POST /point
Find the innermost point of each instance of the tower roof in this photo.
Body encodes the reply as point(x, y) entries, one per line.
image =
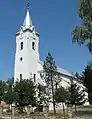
point(27, 20)
point(27, 25)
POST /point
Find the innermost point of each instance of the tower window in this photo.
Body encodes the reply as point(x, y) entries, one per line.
point(33, 45)
point(21, 46)
point(21, 59)
point(20, 76)
point(34, 77)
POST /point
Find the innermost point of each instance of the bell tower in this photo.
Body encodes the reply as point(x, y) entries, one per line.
point(27, 50)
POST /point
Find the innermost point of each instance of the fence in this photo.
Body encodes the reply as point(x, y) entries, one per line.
point(17, 113)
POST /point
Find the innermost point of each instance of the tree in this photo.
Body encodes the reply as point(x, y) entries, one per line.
point(77, 75)
point(10, 81)
point(9, 95)
point(5, 89)
point(77, 95)
point(62, 96)
point(83, 34)
point(42, 97)
point(86, 77)
point(51, 77)
point(41, 94)
point(24, 93)
point(2, 90)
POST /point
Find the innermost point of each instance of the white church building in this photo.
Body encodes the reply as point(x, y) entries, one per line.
point(27, 59)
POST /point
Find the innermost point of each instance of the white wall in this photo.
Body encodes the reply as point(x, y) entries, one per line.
point(30, 57)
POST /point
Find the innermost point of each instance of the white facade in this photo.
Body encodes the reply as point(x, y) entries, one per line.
point(27, 62)
point(27, 53)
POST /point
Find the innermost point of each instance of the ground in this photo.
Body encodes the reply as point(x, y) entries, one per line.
point(84, 112)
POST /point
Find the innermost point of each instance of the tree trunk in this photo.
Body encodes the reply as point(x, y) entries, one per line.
point(12, 111)
point(53, 96)
point(75, 107)
point(63, 109)
point(28, 111)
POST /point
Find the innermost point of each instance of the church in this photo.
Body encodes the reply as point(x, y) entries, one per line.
point(27, 58)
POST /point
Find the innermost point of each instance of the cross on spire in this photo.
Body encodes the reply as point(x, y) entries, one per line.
point(28, 4)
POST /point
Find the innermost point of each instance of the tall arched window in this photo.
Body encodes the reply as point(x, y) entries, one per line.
point(20, 76)
point(33, 45)
point(21, 46)
point(34, 77)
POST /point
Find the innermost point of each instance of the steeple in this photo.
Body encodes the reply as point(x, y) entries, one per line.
point(27, 21)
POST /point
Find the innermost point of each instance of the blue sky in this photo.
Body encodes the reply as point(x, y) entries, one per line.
point(54, 20)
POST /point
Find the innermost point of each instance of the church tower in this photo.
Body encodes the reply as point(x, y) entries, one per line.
point(27, 50)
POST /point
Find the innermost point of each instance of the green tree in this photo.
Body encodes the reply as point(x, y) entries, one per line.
point(62, 96)
point(77, 75)
point(86, 77)
point(77, 95)
point(41, 94)
point(9, 95)
point(2, 90)
point(10, 81)
point(83, 34)
point(42, 99)
point(51, 78)
point(24, 93)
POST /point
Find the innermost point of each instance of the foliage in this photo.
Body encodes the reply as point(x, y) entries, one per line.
point(87, 80)
point(77, 95)
point(50, 67)
point(2, 90)
point(77, 75)
point(10, 81)
point(9, 95)
point(61, 95)
point(24, 93)
point(83, 34)
point(51, 77)
point(42, 98)
point(41, 94)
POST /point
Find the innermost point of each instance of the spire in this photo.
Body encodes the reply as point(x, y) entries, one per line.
point(27, 21)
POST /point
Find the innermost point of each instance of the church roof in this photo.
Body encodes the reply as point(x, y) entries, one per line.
point(61, 70)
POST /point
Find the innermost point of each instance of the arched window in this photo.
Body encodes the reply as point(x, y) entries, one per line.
point(21, 46)
point(20, 76)
point(34, 77)
point(33, 45)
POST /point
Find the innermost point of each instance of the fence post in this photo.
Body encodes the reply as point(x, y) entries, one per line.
point(12, 111)
point(70, 113)
point(1, 111)
point(28, 111)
